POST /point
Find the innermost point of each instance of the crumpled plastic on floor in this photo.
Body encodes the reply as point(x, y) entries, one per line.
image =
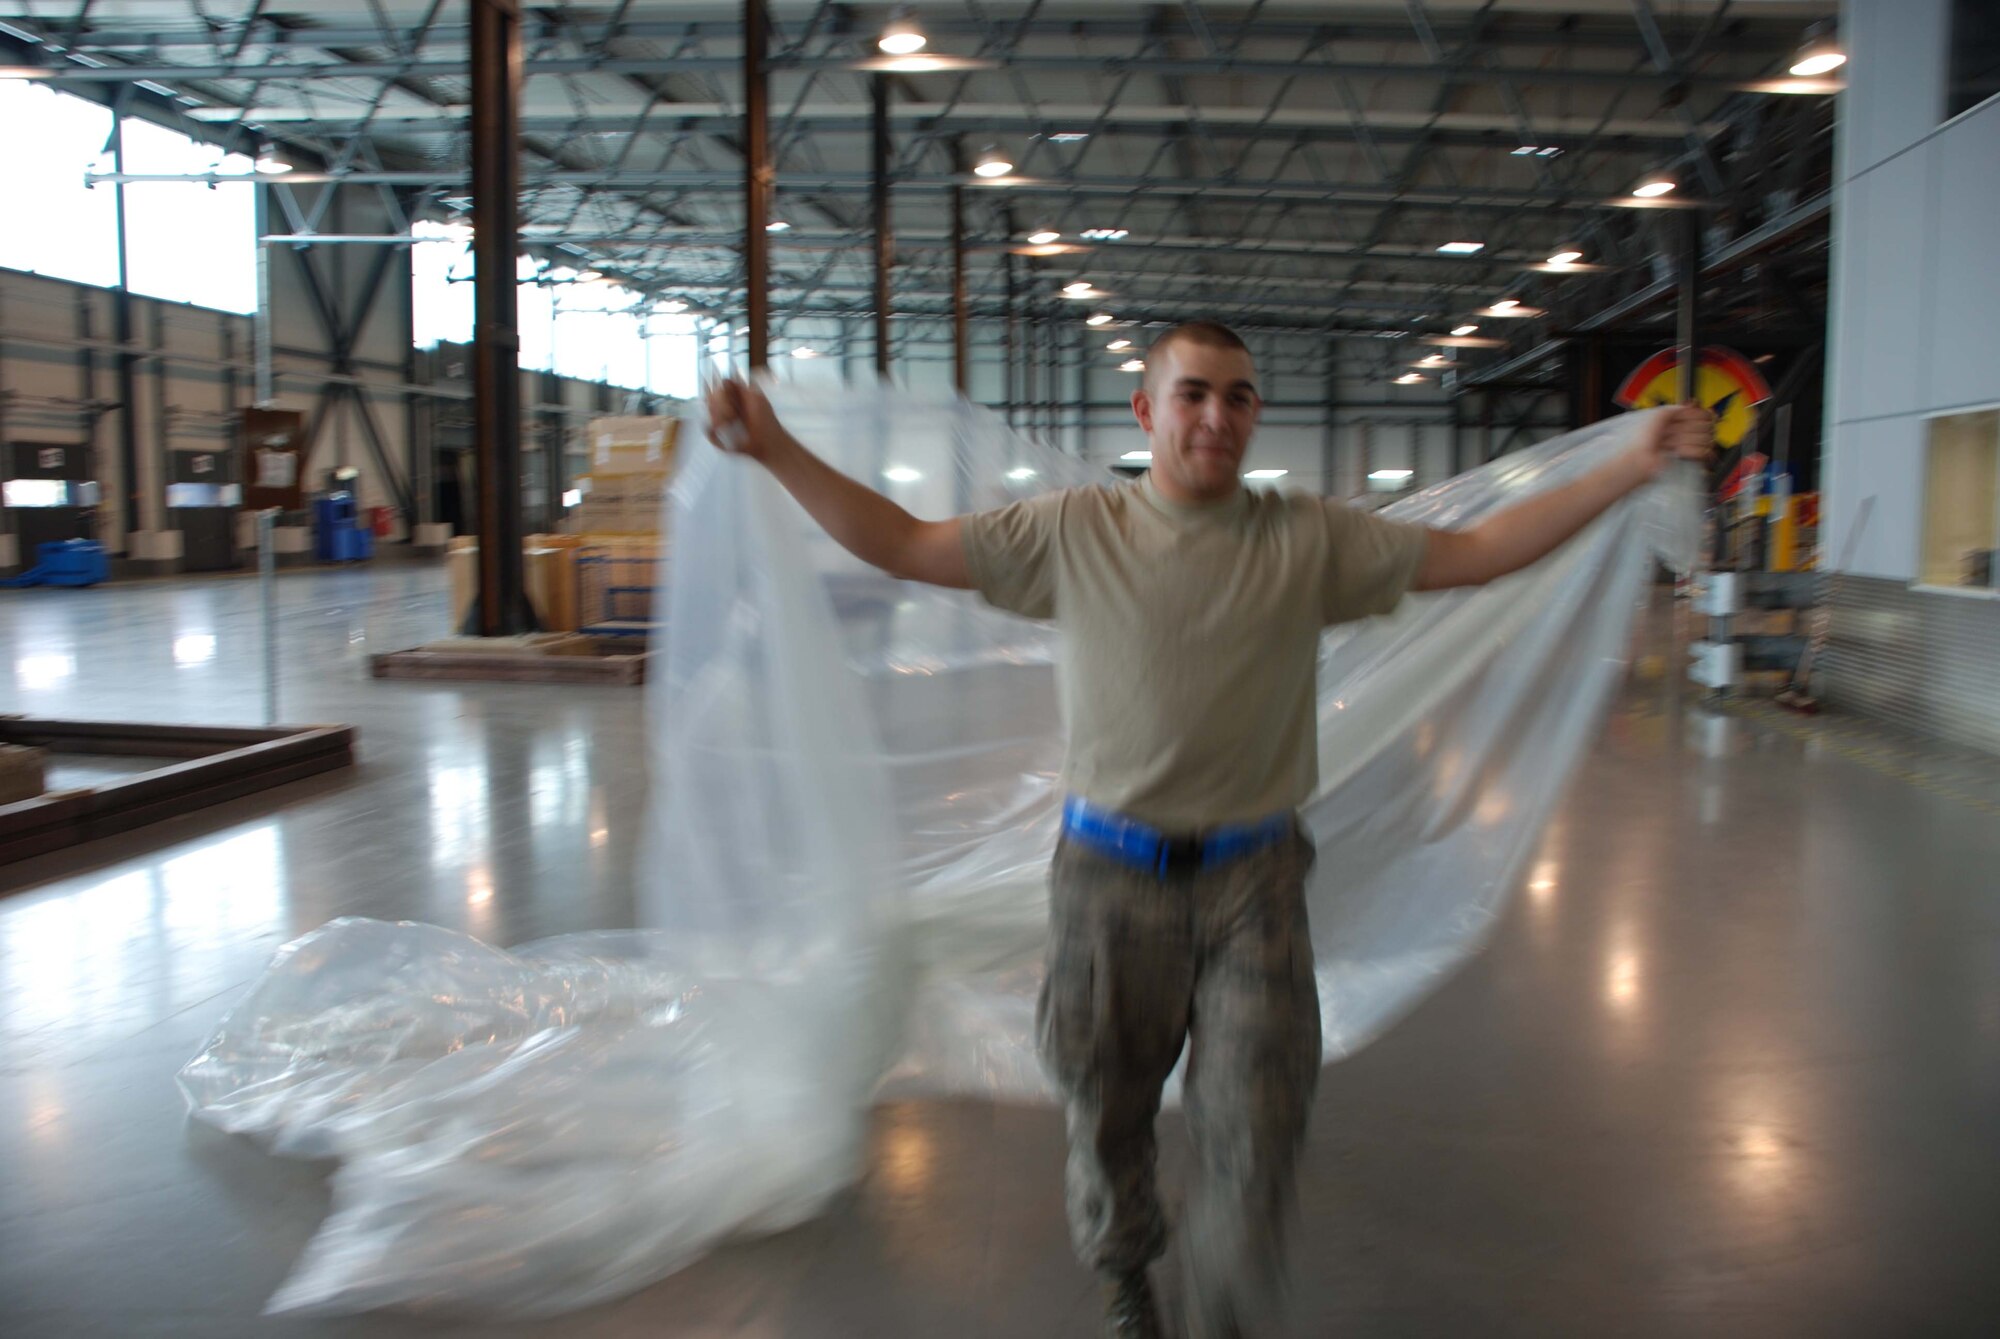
point(852, 812)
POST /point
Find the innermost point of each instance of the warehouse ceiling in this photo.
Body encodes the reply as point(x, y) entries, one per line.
point(1281, 166)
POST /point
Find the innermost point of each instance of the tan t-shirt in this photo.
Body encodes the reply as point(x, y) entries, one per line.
point(1191, 634)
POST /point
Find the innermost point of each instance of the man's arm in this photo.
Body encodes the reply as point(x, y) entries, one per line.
point(1525, 533)
point(859, 519)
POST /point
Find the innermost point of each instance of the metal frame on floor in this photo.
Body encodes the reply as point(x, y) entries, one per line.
point(215, 764)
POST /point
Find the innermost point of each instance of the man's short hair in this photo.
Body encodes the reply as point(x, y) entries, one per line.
point(1212, 333)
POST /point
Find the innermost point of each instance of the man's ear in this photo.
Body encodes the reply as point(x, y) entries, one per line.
point(1142, 409)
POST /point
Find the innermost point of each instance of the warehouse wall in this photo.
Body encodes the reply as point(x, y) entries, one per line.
point(1915, 279)
point(1915, 286)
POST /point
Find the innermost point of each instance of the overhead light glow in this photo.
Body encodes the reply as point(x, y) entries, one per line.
point(1137, 455)
point(1020, 472)
point(1106, 234)
point(1267, 474)
point(1465, 329)
point(805, 351)
point(1820, 53)
point(1409, 379)
point(1098, 318)
point(1568, 255)
point(1391, 476)
point(1043, 236)
point(1461, 248)
point(776, 225)
point(900, 35)
point(1077, 288)
point(1132, 365)
point(1819, 63)
point(270, 162)
point(1432, 360)
point(1653, 187)
point(1118, 344)
point(901, 474)
point(1527, 150)
point(992, 163)
point(1069, 136)
point(1547, 151)
point(1506, 304)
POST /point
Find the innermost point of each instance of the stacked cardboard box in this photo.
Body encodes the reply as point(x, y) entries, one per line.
point(548, 572)
point(620, 504)
point(624, 487)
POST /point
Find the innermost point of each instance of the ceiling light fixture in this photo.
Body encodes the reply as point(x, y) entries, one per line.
point(1820, 53)
point(805, 351)
point(1506, 304)
point(992, 163)
point(1409, 378)
point(1106, 234)
point(1465, 329)
point(1137, 455)
point(1391, 476)
point(901, 474)
point(1654, 185)
point(1267, 474)
point(1098, 318)
point(1133, 365)
point(270, 162)
point(900, 35)
point(776, 225)
point(1117, 344)
point(1043, 236)
point(1069, 137)
point(1020, 472)
point(1565, 254)
point(1461, 248)
point(1432, 360)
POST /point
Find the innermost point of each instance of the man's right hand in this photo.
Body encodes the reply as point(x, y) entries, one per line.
point(740, 420)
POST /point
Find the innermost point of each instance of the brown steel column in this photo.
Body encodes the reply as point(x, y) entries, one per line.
point(1010, 336)
point(885, 240)
point(960, 372)
point(757, 180)
point(502, 609)
point(1687, 337)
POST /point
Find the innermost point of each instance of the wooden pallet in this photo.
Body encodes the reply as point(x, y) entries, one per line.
point(569, 658)
point(214, 763)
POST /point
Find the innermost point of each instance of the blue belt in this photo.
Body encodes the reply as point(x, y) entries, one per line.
point(1143, 846)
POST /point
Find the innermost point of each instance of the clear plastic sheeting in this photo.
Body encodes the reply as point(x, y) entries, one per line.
point(853, 809)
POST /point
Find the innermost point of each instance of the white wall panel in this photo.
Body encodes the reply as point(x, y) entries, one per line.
point(1880, 294)
point(1963, 363)
point(1895, 83)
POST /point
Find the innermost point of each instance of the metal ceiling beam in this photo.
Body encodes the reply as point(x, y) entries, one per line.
point(798, 183)
point(1221, 123)
point(1588, 32)
point(1079, 66)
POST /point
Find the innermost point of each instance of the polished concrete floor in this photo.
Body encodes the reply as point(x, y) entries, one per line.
point(1731, 1066)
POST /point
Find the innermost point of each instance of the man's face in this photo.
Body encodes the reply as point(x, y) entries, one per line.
point(1199, 407)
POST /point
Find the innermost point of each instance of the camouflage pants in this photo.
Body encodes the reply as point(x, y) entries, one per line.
point(1222, 960)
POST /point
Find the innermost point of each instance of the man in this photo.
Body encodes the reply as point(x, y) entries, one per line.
point(1191, 609)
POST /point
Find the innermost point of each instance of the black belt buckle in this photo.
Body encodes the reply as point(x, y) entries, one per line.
point(1180, 855)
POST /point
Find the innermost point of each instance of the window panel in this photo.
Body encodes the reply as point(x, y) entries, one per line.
point(71, 231)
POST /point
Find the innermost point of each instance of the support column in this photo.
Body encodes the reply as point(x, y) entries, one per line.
point(885, 241)
point(757, 181)
point(1328, 446)
point(960, 370)
point(502, 607)
point(1009, 337)
point(131, 518)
